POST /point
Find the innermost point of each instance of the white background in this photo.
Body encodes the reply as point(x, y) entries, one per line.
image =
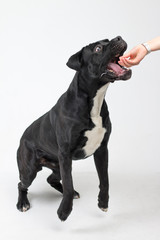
point(36, 39)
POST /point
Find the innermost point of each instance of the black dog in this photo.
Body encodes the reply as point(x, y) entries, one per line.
point(75, 128)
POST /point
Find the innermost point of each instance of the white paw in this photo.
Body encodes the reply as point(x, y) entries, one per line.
point(104, 209)
point(76, 197)
point(24, 209)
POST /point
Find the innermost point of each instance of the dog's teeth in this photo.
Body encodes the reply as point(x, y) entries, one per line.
point(125, 68)
point(103, 74)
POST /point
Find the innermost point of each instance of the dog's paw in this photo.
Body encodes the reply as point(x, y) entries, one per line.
point(104, 209)
point(23, 206)
point(64, 209)
point(62, 215)
point(103, 206)
point(103, 199)
point(76, 195)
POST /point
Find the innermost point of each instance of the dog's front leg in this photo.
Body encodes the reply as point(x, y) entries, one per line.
point(65, 207)
point(101, 162)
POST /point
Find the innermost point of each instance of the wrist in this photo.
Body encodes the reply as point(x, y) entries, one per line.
point(147, 47)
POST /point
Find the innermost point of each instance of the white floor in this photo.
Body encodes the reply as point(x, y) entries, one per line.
point(134, 209)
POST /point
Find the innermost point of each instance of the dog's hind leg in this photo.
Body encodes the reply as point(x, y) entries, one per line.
point(26, 159)
point(54, 180)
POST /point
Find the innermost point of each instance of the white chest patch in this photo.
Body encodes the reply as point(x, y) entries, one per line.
point(96, 135)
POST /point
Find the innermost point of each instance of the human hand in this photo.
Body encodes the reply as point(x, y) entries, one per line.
point(133, 57)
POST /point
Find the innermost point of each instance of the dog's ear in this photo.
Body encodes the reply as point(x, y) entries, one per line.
point(75, 61)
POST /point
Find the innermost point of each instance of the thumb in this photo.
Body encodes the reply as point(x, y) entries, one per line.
point(126, 55)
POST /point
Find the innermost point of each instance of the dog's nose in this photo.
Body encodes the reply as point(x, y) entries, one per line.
point(118, 38)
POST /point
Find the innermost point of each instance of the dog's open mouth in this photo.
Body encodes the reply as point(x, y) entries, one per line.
point(114, 67)
point(114, 71)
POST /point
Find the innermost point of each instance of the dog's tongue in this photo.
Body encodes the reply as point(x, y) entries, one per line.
point(115, 68)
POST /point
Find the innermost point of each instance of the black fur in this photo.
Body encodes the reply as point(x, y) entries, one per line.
point(57, 138)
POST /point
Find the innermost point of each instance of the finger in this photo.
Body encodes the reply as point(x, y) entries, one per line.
point(132, 62)
point(123, 62)
point(121, 58)
point(127, 63)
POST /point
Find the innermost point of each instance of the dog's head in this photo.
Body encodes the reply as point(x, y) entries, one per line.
point(100, 60)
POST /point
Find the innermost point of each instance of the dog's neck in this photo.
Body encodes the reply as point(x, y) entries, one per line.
point(98, 100)
point(93, 91)
point(90, 86)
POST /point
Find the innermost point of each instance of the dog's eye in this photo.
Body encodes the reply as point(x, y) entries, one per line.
point(98, 48)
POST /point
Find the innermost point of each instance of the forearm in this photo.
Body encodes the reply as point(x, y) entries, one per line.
point(154, 44)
